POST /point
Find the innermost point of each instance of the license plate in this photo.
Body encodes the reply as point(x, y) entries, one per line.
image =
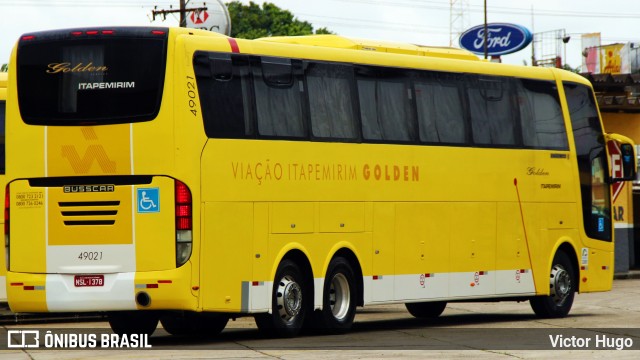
point(88, 280)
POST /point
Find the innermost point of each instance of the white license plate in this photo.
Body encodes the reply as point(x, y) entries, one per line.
point(88, 280)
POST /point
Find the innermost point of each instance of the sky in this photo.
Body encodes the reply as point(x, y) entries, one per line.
point(424, 22)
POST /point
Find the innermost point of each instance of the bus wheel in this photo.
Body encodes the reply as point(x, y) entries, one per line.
point(339, 298)
point(133, 322)
point(426, 310)
point(290, 301)
point(194, 324)
point(562, 288)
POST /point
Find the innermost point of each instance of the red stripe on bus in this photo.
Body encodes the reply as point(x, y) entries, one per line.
point(234, 45)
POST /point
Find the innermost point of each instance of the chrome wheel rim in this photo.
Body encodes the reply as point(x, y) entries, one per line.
point(561, 286)
point(339, 296)
point(289, 299)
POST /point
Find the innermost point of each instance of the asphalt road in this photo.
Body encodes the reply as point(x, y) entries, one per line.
point(599, 324)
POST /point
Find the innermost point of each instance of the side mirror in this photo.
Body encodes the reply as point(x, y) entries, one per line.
point(622, 158)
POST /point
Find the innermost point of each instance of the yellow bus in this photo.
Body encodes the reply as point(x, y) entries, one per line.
point(3, 98)
point(185, 177)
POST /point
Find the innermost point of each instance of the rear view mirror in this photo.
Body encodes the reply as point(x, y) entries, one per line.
point(623, 158)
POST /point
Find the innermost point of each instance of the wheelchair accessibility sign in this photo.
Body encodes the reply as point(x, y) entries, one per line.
point(148, 200)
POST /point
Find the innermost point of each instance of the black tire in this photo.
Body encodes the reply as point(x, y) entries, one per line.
point(194, 324)
point(290, 302)
point(338, 299)
point(133, 322)
point(426, 310)
point(562, 287)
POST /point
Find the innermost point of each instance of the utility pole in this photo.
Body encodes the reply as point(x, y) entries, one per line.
point(182, 10)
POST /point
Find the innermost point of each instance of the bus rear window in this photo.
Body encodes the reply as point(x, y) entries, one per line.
point(68, 77)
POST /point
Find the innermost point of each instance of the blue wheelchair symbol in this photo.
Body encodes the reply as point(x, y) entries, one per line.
point(148, 200)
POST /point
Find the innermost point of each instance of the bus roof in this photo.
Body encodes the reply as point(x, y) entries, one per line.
point(340, 42)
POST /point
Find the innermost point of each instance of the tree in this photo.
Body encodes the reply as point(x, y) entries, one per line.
point(252, 21)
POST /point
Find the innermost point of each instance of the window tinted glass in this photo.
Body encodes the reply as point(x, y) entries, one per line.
point(66, 79)
point(224, 89)
point(493, 119)
point(385, 108)
point(541, 115)
point(330, 101)
point(440, 110)
point(278, 97)
point(592, 161)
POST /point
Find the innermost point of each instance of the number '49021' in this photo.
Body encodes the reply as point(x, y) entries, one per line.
point(90, 255)
point(191, 94)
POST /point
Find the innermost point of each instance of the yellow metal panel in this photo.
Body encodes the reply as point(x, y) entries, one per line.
point(383, 239)
point(599, 273)
point(62, 232)
point(262, 263)
point(27, 224)
point(341, 217)
point(292, 218)
point(95, 150)
point(22, 300)
point(155, 234)
point(473, 244)
point(512, 250)
point(423, 237)
point(226, 259)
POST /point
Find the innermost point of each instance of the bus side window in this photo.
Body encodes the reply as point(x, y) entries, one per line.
point(440, 110)
point(385, 106)
point(492, 111)
point(278, 98)
point(541, 115)
point(224, 94)
point(331, 106)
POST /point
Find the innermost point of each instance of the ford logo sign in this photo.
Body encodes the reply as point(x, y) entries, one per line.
point(502, 39)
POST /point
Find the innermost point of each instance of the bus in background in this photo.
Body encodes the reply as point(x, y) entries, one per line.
point(3, 98)
point(185, 177)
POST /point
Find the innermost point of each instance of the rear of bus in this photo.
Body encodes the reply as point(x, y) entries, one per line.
point(99, 202)
point(3, 98)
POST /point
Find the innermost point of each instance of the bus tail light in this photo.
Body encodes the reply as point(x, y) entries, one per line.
point(184, 223)
point(6, 225)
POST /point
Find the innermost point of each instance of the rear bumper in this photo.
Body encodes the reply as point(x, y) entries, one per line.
point(168, 290)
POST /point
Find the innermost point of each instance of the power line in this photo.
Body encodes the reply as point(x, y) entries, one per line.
point(429, 5)
point(182, 11)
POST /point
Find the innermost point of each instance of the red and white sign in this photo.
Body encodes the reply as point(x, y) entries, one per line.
point(616, 167)
point(199, 17)
point(215, 18)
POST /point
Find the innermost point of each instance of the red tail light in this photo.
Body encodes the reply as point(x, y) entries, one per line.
point(183, 207)
point(184, 223)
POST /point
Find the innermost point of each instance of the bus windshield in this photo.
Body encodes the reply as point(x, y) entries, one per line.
point(83, 76)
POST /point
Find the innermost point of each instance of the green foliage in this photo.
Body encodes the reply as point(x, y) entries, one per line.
point(252, 21)
point(569, 68)
point(4, 68)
